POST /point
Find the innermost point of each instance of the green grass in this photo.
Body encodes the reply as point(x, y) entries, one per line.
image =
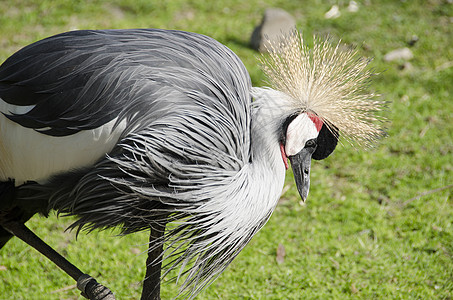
point(374, 226)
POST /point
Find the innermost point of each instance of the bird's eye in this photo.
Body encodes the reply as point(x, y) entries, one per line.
point(310, 143)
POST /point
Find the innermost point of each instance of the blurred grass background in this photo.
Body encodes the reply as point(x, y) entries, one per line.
point(377, 224)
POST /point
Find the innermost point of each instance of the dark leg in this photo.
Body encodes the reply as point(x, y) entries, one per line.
point(7, 196)
point(151, 285)
point(88, 285)
point(5, 236)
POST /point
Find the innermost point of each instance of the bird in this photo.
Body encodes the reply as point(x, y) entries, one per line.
point(162, 130)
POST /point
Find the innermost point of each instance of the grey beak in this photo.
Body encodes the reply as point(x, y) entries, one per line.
point(300, 163)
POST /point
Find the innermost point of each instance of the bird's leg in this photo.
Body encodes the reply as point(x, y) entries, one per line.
point(151, 284)
point(7, 197)
point(88, 285)
point(5, 236)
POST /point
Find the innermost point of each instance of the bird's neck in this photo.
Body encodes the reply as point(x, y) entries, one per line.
point(266, 158)
point(268, 115)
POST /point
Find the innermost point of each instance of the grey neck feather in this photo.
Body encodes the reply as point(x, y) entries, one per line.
point(244, 205)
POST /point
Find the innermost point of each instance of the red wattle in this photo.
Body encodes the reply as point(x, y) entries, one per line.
point(285, 159)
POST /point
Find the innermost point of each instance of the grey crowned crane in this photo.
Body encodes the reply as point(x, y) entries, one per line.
point(140, 128)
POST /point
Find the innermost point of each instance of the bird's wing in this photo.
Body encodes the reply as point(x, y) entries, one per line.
point(87, 88)
point(82, 79)
point(55, 82)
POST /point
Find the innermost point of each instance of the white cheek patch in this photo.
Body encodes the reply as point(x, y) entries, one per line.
point(299, 131)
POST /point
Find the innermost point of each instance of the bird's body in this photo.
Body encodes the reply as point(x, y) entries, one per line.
point(188, 118)
point(138, 128)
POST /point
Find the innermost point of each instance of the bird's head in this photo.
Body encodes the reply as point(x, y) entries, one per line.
point(325, 94)
point(305, 137)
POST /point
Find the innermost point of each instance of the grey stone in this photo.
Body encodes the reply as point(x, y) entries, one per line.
point(353, 6)
point(333, 13)
point(399, 54)
point(276, 23)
